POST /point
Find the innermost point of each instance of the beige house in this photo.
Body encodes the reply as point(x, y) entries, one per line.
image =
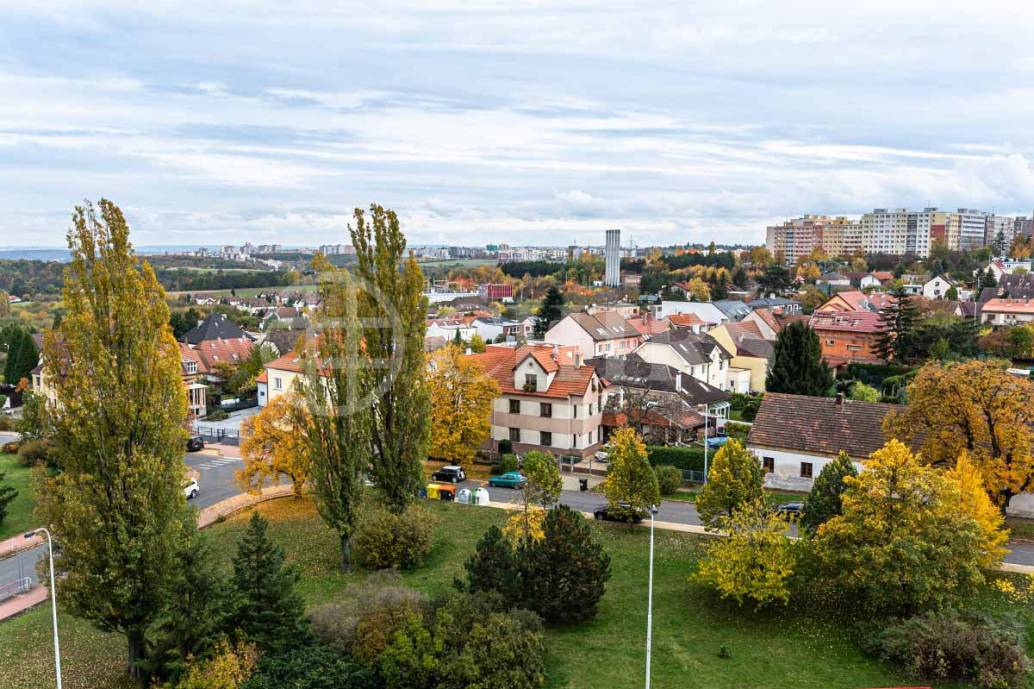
point(751, 352)
point(550, 401)
point(278, 377)
point(605, 333)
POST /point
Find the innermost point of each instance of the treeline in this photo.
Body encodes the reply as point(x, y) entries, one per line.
point(24, 277)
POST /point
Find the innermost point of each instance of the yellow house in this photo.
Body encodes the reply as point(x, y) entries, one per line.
point(750, 350)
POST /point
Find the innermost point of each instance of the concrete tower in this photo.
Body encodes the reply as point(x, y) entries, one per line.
point(612, 277)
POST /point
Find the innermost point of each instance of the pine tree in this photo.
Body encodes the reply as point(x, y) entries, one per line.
point(22, 356)
point(392, 309)
point(733, 479)
point(550, 312)
point(797, 366)
point(267, 610)
point(897, 327)
point(493, 566)
point(117, 507)
point(7, 495)
point(824, 501)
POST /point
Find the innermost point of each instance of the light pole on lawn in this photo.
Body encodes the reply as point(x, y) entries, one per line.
point(649, 600)
point(707, 411)
point(53, 600)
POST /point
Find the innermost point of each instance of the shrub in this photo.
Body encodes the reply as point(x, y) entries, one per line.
point(685, 458)
point(6, 424)
point(669, 479)
point(9, 448)
point(229, 668)
point(505, 463)
point(310, 667)
point(385, 540)
point(34, 452)
point(217, 415)
point(502, 651)
point(954, 647)
point(505, 446)
point(371, 611)
point(493, 566)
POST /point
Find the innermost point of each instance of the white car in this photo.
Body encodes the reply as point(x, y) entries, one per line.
point(191, 489)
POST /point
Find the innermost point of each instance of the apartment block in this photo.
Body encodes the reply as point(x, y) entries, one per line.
point(798, 237)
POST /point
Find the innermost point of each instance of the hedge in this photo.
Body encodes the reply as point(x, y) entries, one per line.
point(686, 458)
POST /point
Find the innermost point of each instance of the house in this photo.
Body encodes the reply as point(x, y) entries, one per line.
point(751, 352)
point(699, 356)
point(1002, 311)
point(282, 340)
point(662, 402)
point(704, 310)
point(779, 304)
point(795, 436)
point(494, 328)
point(278, 377)
point(937, 287)
point(733, 309)
point(448, 329)
point(834, 280)
point(690, 321)
point(216, 341)
point(550, 401)
point(622, 308)
point(604, 334)
point(1002, 267)
point(289, 317)
point(648, 326)
point(848, 336)
point(214, 327)
point(767, 322)
point(855, 300)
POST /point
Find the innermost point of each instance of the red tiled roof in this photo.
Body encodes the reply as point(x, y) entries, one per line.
point(847, 321)
point(1000, 305)
point(287, 362)
point(684, 320)
point(769, 319)
point(232, 350)
point(650, 326)
point(500, 362)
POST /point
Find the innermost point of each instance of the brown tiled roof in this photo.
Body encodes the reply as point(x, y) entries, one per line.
point(999, 305)
point(233, 350)
point(649, 326)
point(499, 363)
point(684, 320)
point(847, 321)
point(605, 325)
point(819, 425)
point(769, 319)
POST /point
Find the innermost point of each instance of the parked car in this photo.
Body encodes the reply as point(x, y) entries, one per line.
point(511, 479)
point(790, 509)
point(449, 474)
point(191, 489)
point(195, 443)
point(606, 514)
point(717, 441)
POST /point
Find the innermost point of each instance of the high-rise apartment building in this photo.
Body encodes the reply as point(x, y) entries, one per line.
point(798, 237)
point(612, 274)
point(972, 228)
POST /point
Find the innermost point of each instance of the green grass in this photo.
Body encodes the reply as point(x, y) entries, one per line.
point(245, 291)
point(1021, 528)
point(775, 650)
point(19, 512)
point(773, 496)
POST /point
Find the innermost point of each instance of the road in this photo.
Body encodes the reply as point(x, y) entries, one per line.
point(215, 480)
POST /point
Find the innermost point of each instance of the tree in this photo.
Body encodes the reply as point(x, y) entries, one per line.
point(978, 408)
point(267, 609)
point(631, 484)
point(22, 357)
point(550, 311)
point(864, 393)
point(273, 445)
point(7, 495)
point(337, 429)
point(775, 280)
point(974, 501)
point(392, 309)
point(903, 541)
point(754, 561)
point(952, 294)
point(229, 668)
point(31, 424)
point(117, 507)
point(5, 304)
point(540, 491)
point(563, 575)
point(477, 344)
point(493, 566)
point(733, 479)
point(797, 365)
point(824, 501)
point(897, 324)
point(461, 406)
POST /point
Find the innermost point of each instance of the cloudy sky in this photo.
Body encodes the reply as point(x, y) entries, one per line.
point(527, 122)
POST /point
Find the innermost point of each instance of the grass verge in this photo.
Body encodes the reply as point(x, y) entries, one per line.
point(19, 512)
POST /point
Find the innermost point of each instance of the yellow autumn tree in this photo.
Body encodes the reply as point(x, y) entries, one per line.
point(974, 501)
point(974, 408)
point(461, 405)
point(273, 445)
point(631, 483)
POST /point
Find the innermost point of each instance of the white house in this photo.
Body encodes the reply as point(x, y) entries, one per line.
point(1002, 267)
point(704, 310)
point(700, 356)
point(938, 286)
point(449, 330)
point(604, 334)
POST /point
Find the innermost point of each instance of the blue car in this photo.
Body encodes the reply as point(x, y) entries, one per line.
point(511, 479)
point(717, 441)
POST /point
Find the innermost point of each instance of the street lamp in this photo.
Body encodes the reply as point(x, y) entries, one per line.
point(649, 600)
point(53, 601)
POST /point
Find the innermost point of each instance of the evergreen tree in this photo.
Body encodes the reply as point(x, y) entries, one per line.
point(267, 609)
point(7, 495)
point(550, 311)
point(734, 479)
point(897, 327)
point(824, 501)
point(22, 357)
point(117, 507)
point(392, 310)
point(493, 566)
point(563, 575)
point(797, 366)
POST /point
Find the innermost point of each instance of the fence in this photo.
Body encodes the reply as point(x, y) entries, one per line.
point(246, 403)
point(692, 476)
point(15, 588)
point(214, 434)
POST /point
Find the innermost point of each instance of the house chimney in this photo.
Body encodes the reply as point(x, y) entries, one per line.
point(678, 381)
point(840, 400)
point(578, 359)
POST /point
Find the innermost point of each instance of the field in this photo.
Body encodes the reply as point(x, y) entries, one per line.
point(19, 512)
point(798, 648)
point(245, 291)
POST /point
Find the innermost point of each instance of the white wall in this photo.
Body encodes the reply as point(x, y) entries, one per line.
point(569, 333)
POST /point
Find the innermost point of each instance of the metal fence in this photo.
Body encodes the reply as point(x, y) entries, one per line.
point(692, 475)
point(214, 434)
point(15, 588)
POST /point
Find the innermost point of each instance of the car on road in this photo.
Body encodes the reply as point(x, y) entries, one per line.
point(449, 474)
point(717, 440)
point(511, 479)
point(619, 515)
point(191, 489)
point(195, 443)
point(790, 509)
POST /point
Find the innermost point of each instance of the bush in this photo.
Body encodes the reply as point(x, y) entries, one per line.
point(34, 452)
point(6, 424)
point(9, 448)
point(385, 540)
point(669, 479)
point(310, 667)
point(954, 647)
point(505, 463)
point(685, 458)
point(747, 405)
point(217, 415)
point(505, 446)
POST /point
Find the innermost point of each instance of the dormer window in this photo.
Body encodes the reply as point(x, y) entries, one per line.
point(190, 366)
point(531, 382)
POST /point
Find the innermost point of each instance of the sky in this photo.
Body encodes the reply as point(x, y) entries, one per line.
point(525, 122)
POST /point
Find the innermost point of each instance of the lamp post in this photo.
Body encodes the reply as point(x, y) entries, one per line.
point(53, 601)
point(707, 411)
point(649, 600)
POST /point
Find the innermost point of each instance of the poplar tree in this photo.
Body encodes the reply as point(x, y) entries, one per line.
point(392, 309)
point(797, 365)
point(117, 507)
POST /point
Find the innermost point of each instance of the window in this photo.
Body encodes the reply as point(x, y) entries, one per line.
point(545, 409)
point(515, 406)
point(278, 383)
point(768, 464)
point(590, 410)
point(574, 411)
point(805, 469)
point(531, 382)
point(191, 366)
point(575, 441)
point(515, 435)
point(545, 438)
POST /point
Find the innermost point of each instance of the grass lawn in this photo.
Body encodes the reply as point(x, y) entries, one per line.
point(19, 512)
point(1021, 528)
point(773, 496)
point(775, 650)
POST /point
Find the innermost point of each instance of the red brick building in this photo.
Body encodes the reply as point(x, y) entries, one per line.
point(848, 336)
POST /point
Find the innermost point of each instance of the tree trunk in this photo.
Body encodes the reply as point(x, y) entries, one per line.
point(136, 642)
point(346, 553)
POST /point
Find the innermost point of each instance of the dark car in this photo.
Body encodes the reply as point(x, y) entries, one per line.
point(449, 474)
point(790, 509)
point(195, 443)
point(618, 515)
